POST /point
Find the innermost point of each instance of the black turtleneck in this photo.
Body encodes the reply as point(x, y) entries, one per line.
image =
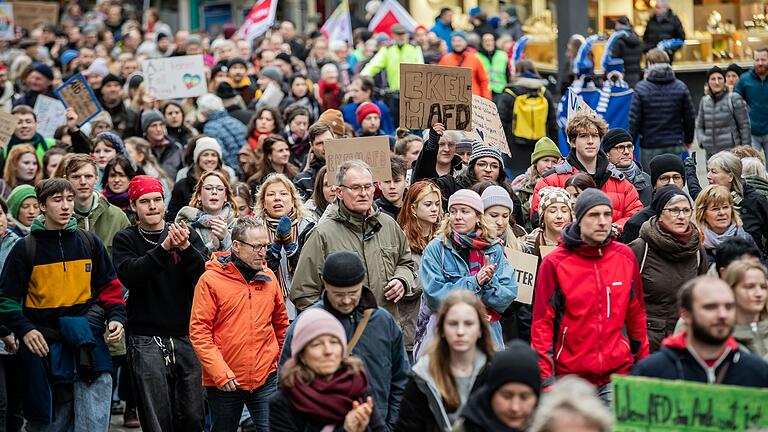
point(247, 271)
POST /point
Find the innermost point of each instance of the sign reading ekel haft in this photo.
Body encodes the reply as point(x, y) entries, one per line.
point(432, 94)
point(176, 77)
point(372, 150)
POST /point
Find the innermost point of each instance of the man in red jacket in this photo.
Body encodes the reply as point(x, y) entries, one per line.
point(588, 313)
point(584, 132)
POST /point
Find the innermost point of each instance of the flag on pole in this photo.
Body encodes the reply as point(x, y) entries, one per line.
point(338, 26)
point(391, 12)
point(259, 20)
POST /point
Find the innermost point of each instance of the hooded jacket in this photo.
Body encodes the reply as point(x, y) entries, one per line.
point(630, 48)
point(588, 314)
point(380, 347)
point(754, 91)
point(662, 112)
point(377, 238)
point(623, 195)
point(103, 219)
point(722, 122)
point(677, 361)
point(237, 327)
point(481, 85)
point(754, 215)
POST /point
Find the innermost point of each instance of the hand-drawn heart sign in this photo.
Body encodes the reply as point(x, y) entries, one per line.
point(191, 80)
point(176, 77)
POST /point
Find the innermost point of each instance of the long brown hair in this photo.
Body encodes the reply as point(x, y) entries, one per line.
point(407, 217)
point(13, 159)
point(266, 166)
point(195, 200)
point(440, 353)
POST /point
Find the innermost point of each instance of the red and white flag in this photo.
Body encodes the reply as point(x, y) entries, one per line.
point(338, 26)
point(391, 12)
point(259, 20)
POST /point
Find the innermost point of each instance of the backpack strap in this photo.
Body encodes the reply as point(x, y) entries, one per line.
point(359, 331)
point(508, 90)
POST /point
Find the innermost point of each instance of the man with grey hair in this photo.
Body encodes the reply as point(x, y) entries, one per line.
point(222, 127)
point(237, 328)
point(438, 157)
point(355, 224)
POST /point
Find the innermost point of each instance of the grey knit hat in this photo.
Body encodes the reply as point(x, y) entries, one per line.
point(480, 150)
point(465, 145)
point(272, 73)
point(588, 199)
point(497, 195)
point(150, 116)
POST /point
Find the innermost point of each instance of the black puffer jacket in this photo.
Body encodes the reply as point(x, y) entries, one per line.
point(630, 49)
point(660, 28)
point(662, 112)
point(754, 215)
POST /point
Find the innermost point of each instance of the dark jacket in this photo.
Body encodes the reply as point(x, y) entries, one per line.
point(241, 114)
point(170, 157)
point(387, 207)
point(425, 167)
point(662, 112)
point(305, 180)
point(630, 49)
point(283, 417)
point(676, 361)
point(125, 120)
point(380, 347)
point(755, 92)
point(632, 226)
point(642, 183)
point(754, 215)
point(181, 194)
point(659, 28)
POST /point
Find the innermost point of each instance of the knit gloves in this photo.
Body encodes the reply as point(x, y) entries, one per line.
point(283, 238)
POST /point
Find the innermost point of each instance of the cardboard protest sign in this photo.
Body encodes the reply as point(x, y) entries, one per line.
point(486, 124)
point(8, 124)
point(50, 115)
point(76, 93)
point(545, 250)
point(576, 103)
point(30, 14)
point(372, 150)
point(432, 94)
point(6, 21)
point(647, 404)
point(176, 77)
point(525, 266)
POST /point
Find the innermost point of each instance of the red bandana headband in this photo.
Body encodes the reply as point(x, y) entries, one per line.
point(142, 185)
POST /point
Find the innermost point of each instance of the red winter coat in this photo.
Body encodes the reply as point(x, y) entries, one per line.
point(586, 296)
point(623, 195)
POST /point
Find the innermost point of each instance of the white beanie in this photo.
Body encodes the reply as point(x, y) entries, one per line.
point(206, 143)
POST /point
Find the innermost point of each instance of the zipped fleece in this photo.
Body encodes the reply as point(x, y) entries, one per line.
point(588, 313)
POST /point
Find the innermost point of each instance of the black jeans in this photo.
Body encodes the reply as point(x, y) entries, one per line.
point(226, 407)
point(11, 394)
point(169, 396)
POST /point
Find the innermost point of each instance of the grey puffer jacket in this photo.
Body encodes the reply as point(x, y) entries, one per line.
point(722, 122)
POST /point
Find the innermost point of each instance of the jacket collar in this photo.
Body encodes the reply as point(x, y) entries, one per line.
point(344, 215)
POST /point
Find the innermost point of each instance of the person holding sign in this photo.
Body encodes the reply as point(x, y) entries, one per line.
point(706, 352)
point(466, 255)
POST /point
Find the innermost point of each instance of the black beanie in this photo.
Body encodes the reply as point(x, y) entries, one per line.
point(665, 163)
point(733, 67)
point(614, 137)
point(662, 195)
point(111, 78)
point(236, 61)
point(714, 70)
point(343, 269)
point(518, 364)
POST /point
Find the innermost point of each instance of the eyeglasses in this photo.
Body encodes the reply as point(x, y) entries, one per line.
point(625, 148)
point(256, 247)
point(675, 211)
point(484, 165)
point(343, 295)
point(219, 189)
point(358, 189)
point(670, 178)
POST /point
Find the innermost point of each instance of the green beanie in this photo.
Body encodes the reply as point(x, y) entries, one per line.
point(17, 196)
point(545, 147)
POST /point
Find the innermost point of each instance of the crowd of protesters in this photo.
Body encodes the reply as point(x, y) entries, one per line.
point(194, 264)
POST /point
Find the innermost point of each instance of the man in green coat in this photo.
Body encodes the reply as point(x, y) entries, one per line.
point(356, 224)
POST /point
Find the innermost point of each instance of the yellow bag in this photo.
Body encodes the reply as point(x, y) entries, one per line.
point(530, 115)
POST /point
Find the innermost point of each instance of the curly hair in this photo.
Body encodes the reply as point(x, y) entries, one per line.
point(582, 122)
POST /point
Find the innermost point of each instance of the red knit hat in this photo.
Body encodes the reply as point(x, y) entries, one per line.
point(142, 185)
point(364, 110)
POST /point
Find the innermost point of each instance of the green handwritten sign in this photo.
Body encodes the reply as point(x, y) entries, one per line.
point(647, 404)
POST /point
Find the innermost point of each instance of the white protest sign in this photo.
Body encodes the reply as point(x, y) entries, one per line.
point(176, 77)
point(6, 21)
point(486, 124)
point(525, 266)
point(50, 114)
point(576, 103)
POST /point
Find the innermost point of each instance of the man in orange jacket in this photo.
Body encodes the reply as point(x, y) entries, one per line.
point(462, 57)
point(237, 328)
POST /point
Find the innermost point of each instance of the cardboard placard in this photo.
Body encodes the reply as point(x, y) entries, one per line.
point(526, 266)
point(486, 124)
point(8, 124)
point(6, 21)
point(76, 93)
point(176, 77)
point(30, 14)
point(50, 115)
point(648, 404)
point(432, 94)
point(576, 103)
point(545, 250)
point(372, 150)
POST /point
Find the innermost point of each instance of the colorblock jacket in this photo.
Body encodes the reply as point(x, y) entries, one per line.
point(588, 312)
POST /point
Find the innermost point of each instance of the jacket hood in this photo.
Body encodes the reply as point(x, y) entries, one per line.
point(525, 84)
point(661, 74)
point(678, 341)
point(38, 225)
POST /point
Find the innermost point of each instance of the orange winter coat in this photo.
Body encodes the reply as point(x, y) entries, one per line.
point(480, 82)
point(237, 328)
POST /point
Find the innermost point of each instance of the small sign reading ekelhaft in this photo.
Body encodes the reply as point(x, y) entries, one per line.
point(76, 93)
point(372, 150)
point(176, 77)
point(432, 94)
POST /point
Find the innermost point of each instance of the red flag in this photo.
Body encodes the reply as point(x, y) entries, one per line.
point(390, 13)
point(259, 20)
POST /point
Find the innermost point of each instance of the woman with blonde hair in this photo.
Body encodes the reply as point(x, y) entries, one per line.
point(443, 377)
point(211, 211)
point(755, 175)
point(749, 281)
point(716, 217)
point(466, 255)
point(22, 167)
point(279, 205)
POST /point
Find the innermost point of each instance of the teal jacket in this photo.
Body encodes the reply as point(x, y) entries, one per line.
point(755, 93)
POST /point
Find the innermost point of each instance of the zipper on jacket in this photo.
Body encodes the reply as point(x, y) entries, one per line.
point(61, 249)
point(599, 321)
point(562, 343)
point(608, 295)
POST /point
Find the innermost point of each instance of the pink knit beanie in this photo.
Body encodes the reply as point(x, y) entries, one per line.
point(468, 198)
point(316, 322)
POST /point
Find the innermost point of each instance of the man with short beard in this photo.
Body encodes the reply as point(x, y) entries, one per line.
point(124, 118)
point(705, 352)
point(752, 88)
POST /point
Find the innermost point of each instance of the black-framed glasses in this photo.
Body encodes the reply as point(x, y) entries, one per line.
point(358, 189)
point(626, 148)
point(670, 178)
point(255, 247)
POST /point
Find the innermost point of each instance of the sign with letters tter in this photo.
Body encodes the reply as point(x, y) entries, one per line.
point(432, 94)
point(176, 77)
point(525, 266)
point(648, 404)
point(372, 150)
point(76, 93)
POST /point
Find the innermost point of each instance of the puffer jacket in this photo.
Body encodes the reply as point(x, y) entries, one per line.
point(588, 312)
point(754, 336)
point(377, 238)
point(662, 112)
point(623, 195)
point(104, 219)
point(665, 265)
point(237, 327)
point(481, 85)
point(722, 122)
point(754, 215)
point(630, 49)
point(229, 132)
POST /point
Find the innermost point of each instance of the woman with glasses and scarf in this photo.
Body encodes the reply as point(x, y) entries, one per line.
point(211, 211)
